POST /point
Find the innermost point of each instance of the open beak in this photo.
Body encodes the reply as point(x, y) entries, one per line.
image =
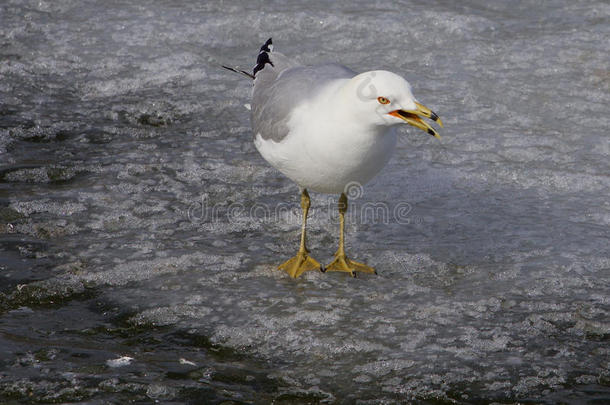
point(413, 117)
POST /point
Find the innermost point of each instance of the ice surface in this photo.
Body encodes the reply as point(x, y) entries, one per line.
point(137, 220)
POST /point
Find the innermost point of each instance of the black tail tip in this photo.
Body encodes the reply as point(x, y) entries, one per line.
point(267, 46)
point(263, 57)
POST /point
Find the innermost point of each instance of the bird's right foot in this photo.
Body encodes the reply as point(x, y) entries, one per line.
point(299, 264)
point(342, 263)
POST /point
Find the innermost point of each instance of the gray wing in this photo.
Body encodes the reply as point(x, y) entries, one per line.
point(278, 89)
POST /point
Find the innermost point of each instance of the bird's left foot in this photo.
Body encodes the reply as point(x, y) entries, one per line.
point(342, 263)
point(299, 264)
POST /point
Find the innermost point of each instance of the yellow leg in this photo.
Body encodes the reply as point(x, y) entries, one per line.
point(302, 262)
point(341, 262)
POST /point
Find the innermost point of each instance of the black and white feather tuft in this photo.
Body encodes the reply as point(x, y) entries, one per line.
point(263, 57)
point(261, 60)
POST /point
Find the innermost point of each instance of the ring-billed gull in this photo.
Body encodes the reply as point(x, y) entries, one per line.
point(327, 127)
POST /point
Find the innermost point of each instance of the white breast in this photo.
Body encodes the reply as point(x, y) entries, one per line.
point(324, 152)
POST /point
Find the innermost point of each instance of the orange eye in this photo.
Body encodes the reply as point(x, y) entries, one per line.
point(383, 100)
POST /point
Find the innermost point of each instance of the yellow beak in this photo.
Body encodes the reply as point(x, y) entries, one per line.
point(412, 117)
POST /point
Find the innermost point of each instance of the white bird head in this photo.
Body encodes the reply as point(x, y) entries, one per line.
point(383, 98)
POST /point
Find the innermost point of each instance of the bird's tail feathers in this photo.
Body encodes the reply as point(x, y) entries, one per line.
point(263, 57)
point(241, 72)
point(261, 61)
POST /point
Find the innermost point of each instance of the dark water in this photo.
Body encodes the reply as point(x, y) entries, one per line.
point(140, 229)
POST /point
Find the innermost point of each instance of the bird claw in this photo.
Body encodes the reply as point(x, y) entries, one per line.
point(342, 263)
point(299, 264)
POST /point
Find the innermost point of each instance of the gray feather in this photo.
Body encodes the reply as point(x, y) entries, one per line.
point(280, 88)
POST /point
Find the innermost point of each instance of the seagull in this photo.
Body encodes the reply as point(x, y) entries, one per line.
point(326, 127)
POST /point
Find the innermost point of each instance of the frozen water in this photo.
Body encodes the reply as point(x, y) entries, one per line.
point(137, 220)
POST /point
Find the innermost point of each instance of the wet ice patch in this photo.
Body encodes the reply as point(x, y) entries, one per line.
point(132, 187)
point(169, 315)
point(59, 208)
point(39, 174)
